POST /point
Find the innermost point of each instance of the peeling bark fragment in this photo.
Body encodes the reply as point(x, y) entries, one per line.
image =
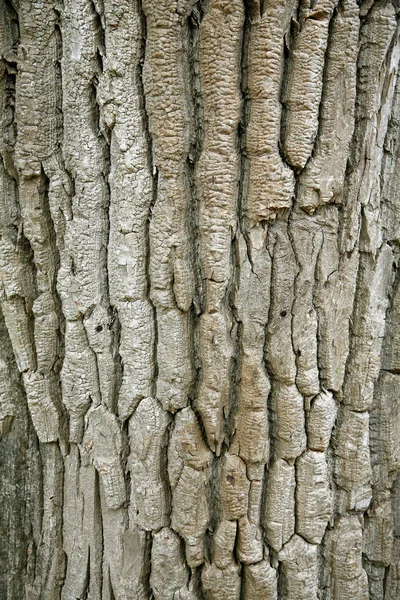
point(102, 443)
point(280, 357)
point(188, 457)
point(287, 406)
point(368, 330)
point(43, 397)
point(18, 323)
point(320, 421)
point(190, 513)
point(377, 65)
point(221, 584)
point(279, 507)
point(251, 440)
point(82, 278)
point(334, 297)
point(83, 542)
point(348, 580)
point(307, 236)
point(79, 377)
point(390, 360)
point(149, 505)
point(392, 588)
point(186, 446)
point(173, 358)
point(224, 543)
point(260, 581)
point(390, 173)
point(216, 356)
point(217, 179)
point(100, 340)
point(136, 343)
point(271, 182)
point(165, 85)
point(352, 470)
point(250, 537)
point(376, 580)
point(135, 568)
point(46, 332)
point(313, 496)
point(131, 195)
point(50, 556)
point(378, 532)
point(323, 177)
point(249, 541)
point(169, 575)
point(303, 90)
point(299, 570)
point(234, 487)
point(385, 425)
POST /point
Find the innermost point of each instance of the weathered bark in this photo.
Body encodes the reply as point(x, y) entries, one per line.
point(199, 299)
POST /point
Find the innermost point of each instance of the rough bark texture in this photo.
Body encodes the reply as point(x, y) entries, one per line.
point(199, 300)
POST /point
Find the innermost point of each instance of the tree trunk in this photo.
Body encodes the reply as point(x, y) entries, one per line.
point(200, 302)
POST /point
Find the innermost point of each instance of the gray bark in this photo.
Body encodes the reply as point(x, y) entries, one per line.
point(199, 300)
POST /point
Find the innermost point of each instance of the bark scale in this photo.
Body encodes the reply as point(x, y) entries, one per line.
point(199, 299)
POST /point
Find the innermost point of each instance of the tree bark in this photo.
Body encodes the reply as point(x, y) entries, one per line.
point(199, 300)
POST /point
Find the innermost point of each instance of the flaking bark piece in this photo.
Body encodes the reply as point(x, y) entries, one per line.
point(304, 84)
point(299, 570)
point(102, 444)
point(313, 496)
point(249, 541)
point(79, 378)
point(348, 580)
point(234, 487)
point(224, 543)
point(221, 584)
point(42, 393)
point(251, 441)
point(260, 581)
point(379, 531)
point(135, 568)
point(320, 422)
point(352, 470)
point(216, 346)
point(146, 463)
point(186, 446)
point(169, 575)
point(279, 507)
point(190, 513)
point(289, 421)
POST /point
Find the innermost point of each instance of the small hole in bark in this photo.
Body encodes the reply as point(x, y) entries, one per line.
point(99, 328)
point(283, 313)
point(230, 479)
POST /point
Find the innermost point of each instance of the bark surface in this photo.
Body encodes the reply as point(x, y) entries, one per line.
point(199, 300)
